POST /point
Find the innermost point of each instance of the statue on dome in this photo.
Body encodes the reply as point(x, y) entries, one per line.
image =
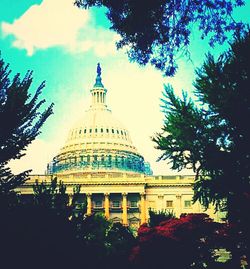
point(99, 70)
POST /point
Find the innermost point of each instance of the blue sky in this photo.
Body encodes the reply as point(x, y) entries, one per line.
point(62, 45)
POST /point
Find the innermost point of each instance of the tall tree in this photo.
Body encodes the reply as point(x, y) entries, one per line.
point(20, 121)
point(212, 137)
point(158, 31)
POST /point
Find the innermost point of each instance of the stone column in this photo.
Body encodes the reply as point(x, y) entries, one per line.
point(89, 205)
point(71, 195)
point(178, 203)
point(143, 208)
point(106, 205)
point(124, 209)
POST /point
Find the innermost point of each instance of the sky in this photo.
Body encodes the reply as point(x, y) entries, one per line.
point(62, 45)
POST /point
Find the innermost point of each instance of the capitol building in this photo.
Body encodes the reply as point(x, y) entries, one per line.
point(99, 156)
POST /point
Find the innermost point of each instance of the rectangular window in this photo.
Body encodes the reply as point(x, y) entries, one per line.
point(116, 204)
point(98, 204)
point(169, 203)
point(187, 203)
point(133, 204)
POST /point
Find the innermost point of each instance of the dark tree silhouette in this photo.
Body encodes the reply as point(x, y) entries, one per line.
point(20, 121)
point(120, 241)
point(158, 31)
point(156, 217)
point(212, 137)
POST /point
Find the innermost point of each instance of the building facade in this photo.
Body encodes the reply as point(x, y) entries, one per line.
point(99, 156)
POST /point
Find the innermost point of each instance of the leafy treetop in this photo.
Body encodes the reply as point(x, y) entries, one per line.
point(20, 121)
point(158, 31)
point(212, 136)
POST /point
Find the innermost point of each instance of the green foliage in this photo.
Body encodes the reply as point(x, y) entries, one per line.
point(79, 202)
point(20, 119)
point(112, 241)
point(120, 238)
point(156, 217)
point(212, 137)
point(158, 32)
point(120, 241)
point(52, 196)
point(95, 228)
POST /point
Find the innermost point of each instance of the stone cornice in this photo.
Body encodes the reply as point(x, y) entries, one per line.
point(148, 183)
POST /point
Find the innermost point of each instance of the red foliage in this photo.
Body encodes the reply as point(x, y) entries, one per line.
point(197, 234)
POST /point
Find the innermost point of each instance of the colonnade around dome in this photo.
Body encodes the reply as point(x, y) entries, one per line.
point(84, 161)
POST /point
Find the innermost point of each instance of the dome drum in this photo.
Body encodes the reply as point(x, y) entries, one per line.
point(122, 161)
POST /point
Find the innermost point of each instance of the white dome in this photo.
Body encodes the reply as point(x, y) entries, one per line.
point(98, 142)
point(98, 129)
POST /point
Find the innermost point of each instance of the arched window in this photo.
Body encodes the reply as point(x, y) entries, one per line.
point(90, 130)
point(117, 131)
point(122, 132)
point(101, 130)
point(96, 130)
point(85, 131)
point(80, 131)
point(107, 130)
point(113, 131)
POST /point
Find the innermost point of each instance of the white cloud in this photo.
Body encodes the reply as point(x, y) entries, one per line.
point(38, 154)
point(58, 23)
